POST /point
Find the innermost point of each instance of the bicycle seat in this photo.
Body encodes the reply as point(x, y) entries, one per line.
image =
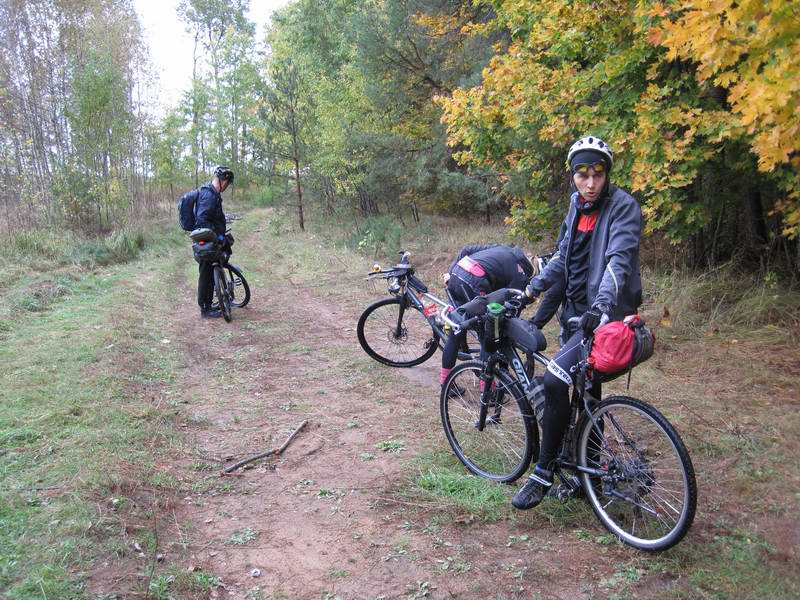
point(525, 335)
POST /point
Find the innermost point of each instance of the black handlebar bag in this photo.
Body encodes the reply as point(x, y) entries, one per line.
point(206, 251)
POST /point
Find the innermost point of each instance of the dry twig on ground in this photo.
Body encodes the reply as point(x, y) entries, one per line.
point(273, 452)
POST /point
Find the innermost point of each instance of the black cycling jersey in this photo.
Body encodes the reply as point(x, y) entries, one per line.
point(498, 267)
point(578, 271)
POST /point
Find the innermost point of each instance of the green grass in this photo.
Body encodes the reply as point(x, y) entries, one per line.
point(44, 267)
point(75, 428)
point(175, 583)
point(83, 421)
point(438, 479)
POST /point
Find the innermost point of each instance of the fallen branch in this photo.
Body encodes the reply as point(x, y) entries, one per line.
point(273, 452)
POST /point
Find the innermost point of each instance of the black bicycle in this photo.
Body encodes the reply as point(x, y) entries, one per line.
point(405, 329)
point(628, 460)
point(231, 289)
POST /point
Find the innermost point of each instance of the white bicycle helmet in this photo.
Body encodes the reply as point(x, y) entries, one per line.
point(591, 142)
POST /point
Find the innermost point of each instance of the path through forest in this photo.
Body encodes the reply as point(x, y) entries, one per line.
point(336, 516)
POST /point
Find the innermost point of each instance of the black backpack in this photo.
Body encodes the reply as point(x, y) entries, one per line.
point(186, 209)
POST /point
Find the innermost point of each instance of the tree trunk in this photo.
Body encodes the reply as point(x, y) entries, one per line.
point(299, 194)
point(195, 116)
point(758, 225)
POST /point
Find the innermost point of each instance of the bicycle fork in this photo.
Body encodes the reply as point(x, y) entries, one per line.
point(487, 378)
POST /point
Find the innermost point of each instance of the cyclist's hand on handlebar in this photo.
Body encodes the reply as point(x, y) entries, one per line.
point(524, 300)
point(533, 289)
point(468, 323)
point(591, 320)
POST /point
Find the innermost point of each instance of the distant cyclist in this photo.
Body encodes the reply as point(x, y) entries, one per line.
point(208, 213)
point(598, 264)
point(477, 271)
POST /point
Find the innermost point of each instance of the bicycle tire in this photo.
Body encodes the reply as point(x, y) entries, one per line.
point(380, 326)
point(656, 475)
point(503, 451)
point(221, 290)
point(238, 281)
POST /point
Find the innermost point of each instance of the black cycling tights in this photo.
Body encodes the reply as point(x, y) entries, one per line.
point(461, 293)
point(556, 403)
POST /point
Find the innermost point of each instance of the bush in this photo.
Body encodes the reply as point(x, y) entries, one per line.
point(39, 244)
point(119, 247)
point(43, 250)
point(376, 235)
point(266, 196)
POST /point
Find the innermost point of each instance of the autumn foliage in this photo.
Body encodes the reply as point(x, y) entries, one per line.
point(699, 98)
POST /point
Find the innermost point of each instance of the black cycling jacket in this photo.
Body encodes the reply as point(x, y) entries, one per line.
point(505, 267)
point(208, 210)
point(614, 281)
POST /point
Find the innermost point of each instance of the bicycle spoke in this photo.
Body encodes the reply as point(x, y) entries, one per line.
point(380, 333)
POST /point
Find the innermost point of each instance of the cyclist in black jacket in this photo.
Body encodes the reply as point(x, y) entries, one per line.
point(598, 263)
point(208, 213)
point(477, 271)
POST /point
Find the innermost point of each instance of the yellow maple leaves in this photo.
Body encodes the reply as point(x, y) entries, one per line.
point(751, 48)
point(671, 83)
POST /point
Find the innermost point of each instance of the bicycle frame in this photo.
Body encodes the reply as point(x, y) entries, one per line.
point(415, 294)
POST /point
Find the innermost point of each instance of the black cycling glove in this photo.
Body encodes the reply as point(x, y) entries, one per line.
point(590, 321)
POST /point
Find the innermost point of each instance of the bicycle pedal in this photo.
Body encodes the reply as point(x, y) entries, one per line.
point(569, 488)
point(564, 493)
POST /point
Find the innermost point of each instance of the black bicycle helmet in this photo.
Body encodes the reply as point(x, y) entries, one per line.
point(223, 173)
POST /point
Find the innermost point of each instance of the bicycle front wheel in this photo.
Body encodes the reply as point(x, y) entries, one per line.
point(239, 289)
point(221, 291)
point(395, 335)
point(509, 441)
point(647, 496)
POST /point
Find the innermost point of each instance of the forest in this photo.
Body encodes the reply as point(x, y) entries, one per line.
point(308, 443)
point(368, 109)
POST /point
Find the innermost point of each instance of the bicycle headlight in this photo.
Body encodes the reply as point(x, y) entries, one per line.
point(376, 268)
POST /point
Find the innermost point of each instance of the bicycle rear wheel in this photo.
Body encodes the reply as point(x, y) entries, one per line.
point(222, 294)
point(503, 451)
point(239, 289)
point(648, 496)
point(394, 335)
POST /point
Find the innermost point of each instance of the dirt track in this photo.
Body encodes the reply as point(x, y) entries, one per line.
point(325, 519)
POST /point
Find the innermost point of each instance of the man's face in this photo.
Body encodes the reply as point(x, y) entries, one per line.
point(223, 185)
point(589, 183)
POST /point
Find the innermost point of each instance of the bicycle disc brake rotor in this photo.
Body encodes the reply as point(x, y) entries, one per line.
point(398, 339)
